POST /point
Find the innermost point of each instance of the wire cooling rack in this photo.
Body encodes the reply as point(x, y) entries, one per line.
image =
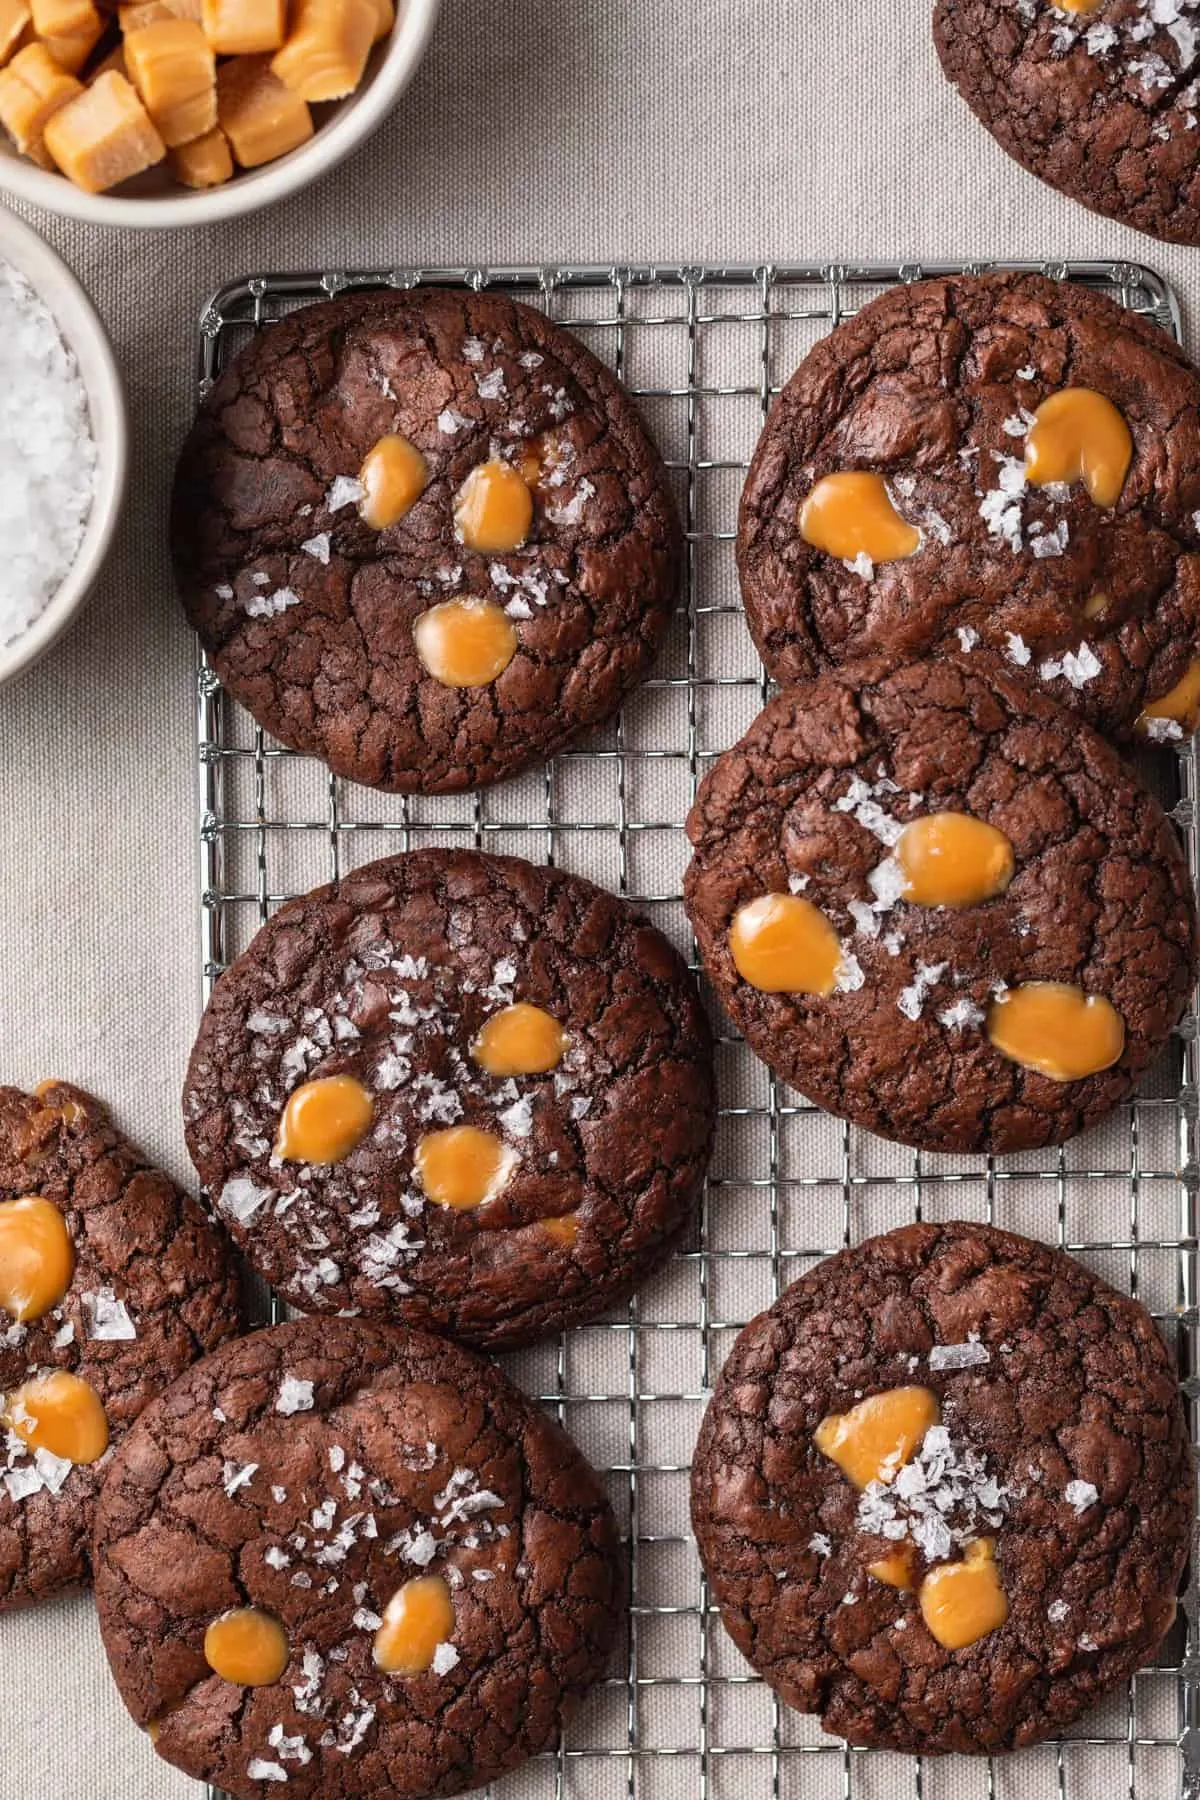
point(681, 1716)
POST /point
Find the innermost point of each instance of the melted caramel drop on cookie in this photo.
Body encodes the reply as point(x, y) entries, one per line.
point(324, 1120)
point(463, 1167)
point(465, 643)
point(877, 1437)
point(395, 475)
point(850, 514)
point(521, 1040)
point(1181, 704)
point(418, 1617)
point(895, 1569)
point(61, 1414)
point(37, 1257)
point(562, 1230)
point(1078, 435)
point(783, 944)
point(963, 1601)
point(248, 1647)
point(952, 860)
point(493, 509)
point(1056, 1030)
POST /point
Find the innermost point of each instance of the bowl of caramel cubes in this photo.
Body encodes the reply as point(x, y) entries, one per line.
point(181, 112)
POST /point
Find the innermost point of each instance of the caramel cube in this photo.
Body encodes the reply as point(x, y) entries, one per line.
point(148, 12)
point(385, 18)
point(71, 49)
point(244, 27)
point(70, 30)
point(104, 136)
point(327, 47)
point(15, 25)
point(32, 89)
point(261, 117)
point(206, 162)
point(63, 18)
point(175, 73)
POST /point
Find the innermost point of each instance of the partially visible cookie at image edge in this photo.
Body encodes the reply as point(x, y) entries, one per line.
point(1100, 99)
point(112, 1281)
point(354, 1560)
point(1002, 461)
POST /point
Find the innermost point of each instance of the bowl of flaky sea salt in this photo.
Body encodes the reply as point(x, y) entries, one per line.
point(62, 446)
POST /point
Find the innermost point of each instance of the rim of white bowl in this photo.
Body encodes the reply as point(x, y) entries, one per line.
point(84, 334)
point(359, 115)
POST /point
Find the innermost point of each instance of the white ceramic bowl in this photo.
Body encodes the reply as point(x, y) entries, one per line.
point(155, 200)
point(81, 329)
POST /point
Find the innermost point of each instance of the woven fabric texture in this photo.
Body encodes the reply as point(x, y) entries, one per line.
point(584, 131)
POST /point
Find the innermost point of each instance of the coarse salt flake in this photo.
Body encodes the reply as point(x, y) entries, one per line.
point(344, 490)
point(958, 1356)
point(108, 1319)
point(241, 1198)
point(234, 1477)
point(1080, 1495)
point(294, 1396)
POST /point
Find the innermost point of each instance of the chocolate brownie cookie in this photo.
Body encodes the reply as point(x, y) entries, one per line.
point(940, 906)
point(1098, 97)
point(472, 1093)
point(424, 536)
point(111, 1282)
point(1004, 460)
point(943, 1491)
point(356, 1560)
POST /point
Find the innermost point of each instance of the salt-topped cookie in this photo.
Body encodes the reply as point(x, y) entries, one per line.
point(1004, 462)
point(943, 1492)
point(424, 536)
point(353, 1562)
point(1101, 98)
point(941, 906)
point(111, 1282)
point(459, 1089)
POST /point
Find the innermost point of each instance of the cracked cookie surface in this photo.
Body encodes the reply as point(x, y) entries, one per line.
point(934, 387)
point(308, 613)
point(311, 1471)
point(390, 979)
point(1064, 1441)
point(813, 801)
point(1102, 105)
point(152, 1288)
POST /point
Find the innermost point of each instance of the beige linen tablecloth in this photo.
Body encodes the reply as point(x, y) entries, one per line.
point(538, 130)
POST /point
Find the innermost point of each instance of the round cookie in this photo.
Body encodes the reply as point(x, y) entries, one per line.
point(901, 503)
point(941, 907)
point(520, 569)
point(943, 1491)
point(111, 1282)
point(311, 1475)
point(1098, 98)
point(530, 1103)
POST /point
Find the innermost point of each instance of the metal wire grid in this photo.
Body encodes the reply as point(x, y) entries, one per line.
point(680, 1715)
